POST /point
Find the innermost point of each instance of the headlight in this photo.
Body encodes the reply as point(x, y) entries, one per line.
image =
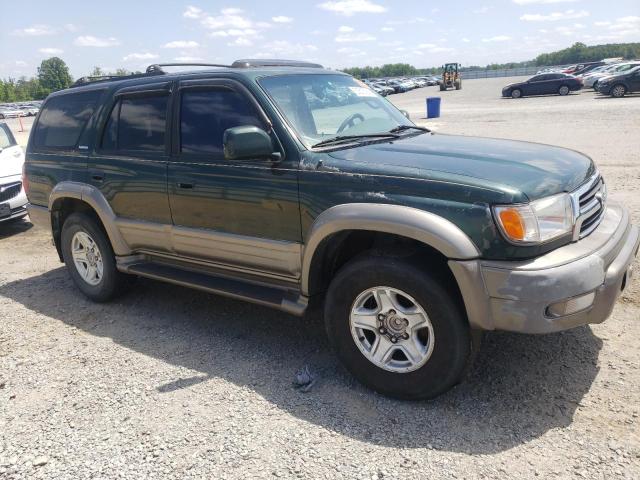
point(536, 222)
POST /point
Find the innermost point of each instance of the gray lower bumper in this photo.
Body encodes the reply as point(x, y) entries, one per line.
point(39, 216)
point(515, 296)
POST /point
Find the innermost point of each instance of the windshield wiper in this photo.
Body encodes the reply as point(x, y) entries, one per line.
point(347, 138)
point(402, 128)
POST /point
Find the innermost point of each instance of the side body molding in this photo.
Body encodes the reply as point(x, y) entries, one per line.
point(410, 222)
point(92, 196)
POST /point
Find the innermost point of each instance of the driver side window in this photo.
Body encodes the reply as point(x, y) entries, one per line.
point(206, 114)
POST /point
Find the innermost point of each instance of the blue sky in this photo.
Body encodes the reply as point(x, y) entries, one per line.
point(338, 33)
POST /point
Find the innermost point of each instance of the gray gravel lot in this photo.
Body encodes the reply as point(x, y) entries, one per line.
point(173, 383)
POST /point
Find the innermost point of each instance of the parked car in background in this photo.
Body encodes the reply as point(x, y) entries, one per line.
point(545, 84)
point(592, 79)
point(13, 199)
point(584, 68)
point(621, 84)
point(9, 111)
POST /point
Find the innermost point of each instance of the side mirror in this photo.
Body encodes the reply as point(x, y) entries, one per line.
point(406, 114)
point(247, 142)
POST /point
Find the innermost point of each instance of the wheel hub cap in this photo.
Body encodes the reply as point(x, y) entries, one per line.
point(87, 258)
point(391, 329)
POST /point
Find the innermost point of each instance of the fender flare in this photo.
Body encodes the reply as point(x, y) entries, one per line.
point(420, 225)
point(94, 198)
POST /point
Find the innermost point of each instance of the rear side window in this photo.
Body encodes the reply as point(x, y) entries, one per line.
point(137, 123)
point(6, 138)
point(206, 114)
point(63, 119)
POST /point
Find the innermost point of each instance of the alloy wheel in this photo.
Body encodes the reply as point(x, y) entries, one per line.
point(87, 258)
point(391, 329)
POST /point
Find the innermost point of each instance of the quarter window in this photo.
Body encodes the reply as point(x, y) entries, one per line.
point(6, 139)
point(137, 123)
point(63, 119)
point(206, 114)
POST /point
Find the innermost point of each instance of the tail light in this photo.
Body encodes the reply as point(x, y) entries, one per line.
point(25, 179)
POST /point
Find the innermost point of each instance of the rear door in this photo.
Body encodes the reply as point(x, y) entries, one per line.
point(129, 165)
point(634, 81)
point(240, 213)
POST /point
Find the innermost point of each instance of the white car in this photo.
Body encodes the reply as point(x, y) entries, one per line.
point(592, 79)
point(13, 199)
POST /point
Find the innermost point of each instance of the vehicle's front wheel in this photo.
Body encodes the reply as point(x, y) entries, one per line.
point(618, 91)
point(90, 259)
point(396, 328)
point(563, 90)
point(516, 93)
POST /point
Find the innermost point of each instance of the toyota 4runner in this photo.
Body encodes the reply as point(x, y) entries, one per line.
point(289, 185)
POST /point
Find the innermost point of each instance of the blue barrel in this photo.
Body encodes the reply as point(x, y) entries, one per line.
point(433, 107)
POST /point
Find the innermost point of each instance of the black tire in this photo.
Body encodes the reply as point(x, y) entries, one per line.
point(563, 90)
point(452, 337)
point(443, 87)
point(516, 93)
point(113, 282)
point(618, 90)
point(458, 85)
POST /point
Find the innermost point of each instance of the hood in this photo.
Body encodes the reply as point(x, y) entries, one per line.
point(532, 169)
point(513, 85)
point(11, 165)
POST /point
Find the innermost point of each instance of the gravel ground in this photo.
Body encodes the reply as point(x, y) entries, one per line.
point(173, 383)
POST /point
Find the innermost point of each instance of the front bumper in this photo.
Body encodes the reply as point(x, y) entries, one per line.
point(17, 205)
point(515, 296)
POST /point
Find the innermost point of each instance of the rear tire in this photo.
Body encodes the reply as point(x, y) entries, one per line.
point(563, 90)
point(444, 337)
point(618, 91)
point(90, 259)
point(516, 93)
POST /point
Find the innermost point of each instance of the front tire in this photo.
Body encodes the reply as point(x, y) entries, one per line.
point(516, 93)
point(90, 259)
point(397, 328)
point(618, 91)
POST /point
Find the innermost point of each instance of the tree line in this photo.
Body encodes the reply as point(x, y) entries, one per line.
point(53, 74)
point(578, 52)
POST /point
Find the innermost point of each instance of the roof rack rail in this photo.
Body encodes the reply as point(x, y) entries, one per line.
point(110, 78)
point(157, 67)
point(248, 63)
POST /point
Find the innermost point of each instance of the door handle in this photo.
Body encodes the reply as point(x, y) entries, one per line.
point(96, 175)
point(185, 185)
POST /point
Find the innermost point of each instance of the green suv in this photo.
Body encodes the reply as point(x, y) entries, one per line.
point(292, 186)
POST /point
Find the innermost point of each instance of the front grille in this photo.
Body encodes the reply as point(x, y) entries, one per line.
point(10, 190)
point(589, 205)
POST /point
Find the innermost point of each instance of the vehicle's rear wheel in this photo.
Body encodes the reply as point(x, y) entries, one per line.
point(618, 91)
point(563, 90)
point(516, 93)
point(90, 259)
point(396, 328)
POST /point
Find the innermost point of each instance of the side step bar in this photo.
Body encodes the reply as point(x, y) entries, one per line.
point(284, 299)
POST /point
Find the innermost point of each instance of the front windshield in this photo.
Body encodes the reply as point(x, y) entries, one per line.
point(320, 107)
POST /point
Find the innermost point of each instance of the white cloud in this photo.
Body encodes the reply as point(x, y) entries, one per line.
point(394, 43)
point(427, 45)
point(345, 29)
point(283, 47)
point(387, 29)
point(282, 19)
point(465, 40)
point(532, 2)
point(354, 37)
point(351, 7)
point(497, 38)
point(235, 32)
point(192, 12)
point(35, 31)
point(555, 16)
point(182, 44)
point(483, 9)
point(91, 41)
point(229, 18)
point(21, 63)
point(602, 24)
point(70, 27)
point(51, 51)
point(241, 42)
point(188, 59)
point(140, 56)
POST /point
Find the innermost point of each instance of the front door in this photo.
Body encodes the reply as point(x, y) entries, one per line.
point(240, 214)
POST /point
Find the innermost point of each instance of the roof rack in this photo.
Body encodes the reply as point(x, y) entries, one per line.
point(248, 63)
point(108, 78)
point(157, 67)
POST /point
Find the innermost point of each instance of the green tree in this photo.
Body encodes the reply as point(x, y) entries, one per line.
point(97, 72)
point(53, 75)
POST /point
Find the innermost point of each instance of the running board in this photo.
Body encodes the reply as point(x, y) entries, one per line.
point(284, 299)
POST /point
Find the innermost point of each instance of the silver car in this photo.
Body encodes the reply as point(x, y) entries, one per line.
point(13, 199)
